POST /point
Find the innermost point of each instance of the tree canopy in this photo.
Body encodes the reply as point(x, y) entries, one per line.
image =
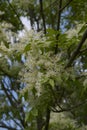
point(43, 73)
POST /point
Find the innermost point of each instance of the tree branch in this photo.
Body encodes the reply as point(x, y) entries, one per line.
point(9, 91)
point(52, 4)
point(77, 50)
point(40, 121)
point(83, 51)
point(47, 119)
point(61, 9)
point(3, 125)
point(68, 109)
point(42, 14)
point(14, 120)
point(8, 96)
point(58, 24)
point(15, 12)
point(59, 16)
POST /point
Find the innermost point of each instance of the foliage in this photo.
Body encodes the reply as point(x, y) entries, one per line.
point(44, 72)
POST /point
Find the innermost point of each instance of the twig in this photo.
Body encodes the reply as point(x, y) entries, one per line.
point(8, 96)
point(52, 4)
point(3, 125)
point(55, 4)
point(83, 50)
point(65, 5)
point(77, 50)
point(15, 121)
point(69, 109)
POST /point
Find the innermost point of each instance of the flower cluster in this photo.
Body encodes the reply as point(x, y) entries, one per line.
point(41, 64)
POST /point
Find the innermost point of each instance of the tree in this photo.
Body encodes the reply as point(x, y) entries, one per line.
point(45, 72)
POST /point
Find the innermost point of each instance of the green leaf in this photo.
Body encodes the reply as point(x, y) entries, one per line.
point(34, 90)
point(29, 116)
point(85, 83)
point(82, 29)
point(51, 82)
point(27, 48)
point(26, 95)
